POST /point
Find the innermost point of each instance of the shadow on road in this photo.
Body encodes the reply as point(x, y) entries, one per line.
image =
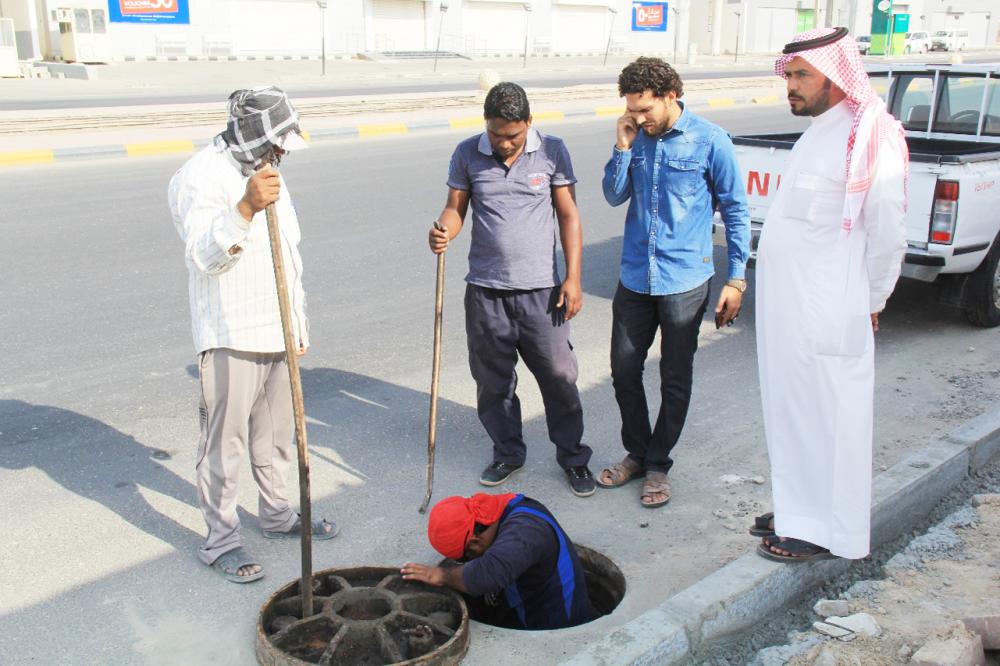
point(96, 462)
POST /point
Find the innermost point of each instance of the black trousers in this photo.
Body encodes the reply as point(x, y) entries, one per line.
point(635, 319)
point(502, 324)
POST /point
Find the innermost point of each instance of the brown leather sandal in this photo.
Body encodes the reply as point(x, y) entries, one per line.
point(656, 483)
point(621, 473)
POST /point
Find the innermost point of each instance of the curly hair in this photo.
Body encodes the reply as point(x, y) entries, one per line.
point(651, 74)
point(508, 101)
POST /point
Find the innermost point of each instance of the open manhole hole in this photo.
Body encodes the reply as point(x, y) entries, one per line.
point(363, 615)
point(605, 587)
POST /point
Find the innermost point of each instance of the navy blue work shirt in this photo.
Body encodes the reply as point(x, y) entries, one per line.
point(533, 564)
point(672, 183)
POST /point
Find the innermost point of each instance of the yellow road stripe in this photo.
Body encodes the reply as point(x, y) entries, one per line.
point(721, 101)
point(609, 111)
point(26, 157)
point(769, 99)
point(159, 148)
point(382, 129)
point(468, 122)
point(548, 115)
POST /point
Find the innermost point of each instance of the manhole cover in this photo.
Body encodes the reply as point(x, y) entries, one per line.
point(364, 615)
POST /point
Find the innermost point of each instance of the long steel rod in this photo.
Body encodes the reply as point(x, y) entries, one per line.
point(435, 377)
point(298, 407)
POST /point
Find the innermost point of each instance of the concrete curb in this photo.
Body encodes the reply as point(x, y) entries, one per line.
point(43, 155)
point(735, 598)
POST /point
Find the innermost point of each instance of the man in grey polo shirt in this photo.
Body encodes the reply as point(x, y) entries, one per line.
point(520, 183)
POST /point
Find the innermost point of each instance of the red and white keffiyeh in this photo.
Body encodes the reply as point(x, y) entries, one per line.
point(873, 125)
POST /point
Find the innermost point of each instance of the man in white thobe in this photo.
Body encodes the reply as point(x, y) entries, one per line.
point(829, 256)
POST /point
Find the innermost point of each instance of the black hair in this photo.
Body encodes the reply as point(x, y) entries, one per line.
point(652, 74)
point(508, 101)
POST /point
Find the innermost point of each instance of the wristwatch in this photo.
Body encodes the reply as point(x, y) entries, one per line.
point(739, 284)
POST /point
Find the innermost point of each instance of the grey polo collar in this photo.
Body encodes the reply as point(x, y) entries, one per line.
point(533, 143)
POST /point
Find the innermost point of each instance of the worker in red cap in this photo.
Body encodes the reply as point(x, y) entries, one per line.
point(513, 562)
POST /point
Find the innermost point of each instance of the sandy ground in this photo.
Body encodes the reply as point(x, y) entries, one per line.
point(949, 572)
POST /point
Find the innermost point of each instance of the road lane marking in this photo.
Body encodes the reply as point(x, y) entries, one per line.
point(22, 157)
point(159, 148)
point(382, 129)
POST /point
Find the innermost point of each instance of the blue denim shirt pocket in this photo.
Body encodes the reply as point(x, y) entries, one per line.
point(682, 176)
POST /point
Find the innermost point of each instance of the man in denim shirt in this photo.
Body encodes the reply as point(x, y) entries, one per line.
point(676, 168)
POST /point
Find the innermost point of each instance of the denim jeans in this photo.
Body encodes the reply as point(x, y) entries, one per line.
point(635, 319)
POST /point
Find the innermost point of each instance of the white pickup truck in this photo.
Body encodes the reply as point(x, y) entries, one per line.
point(951, 114)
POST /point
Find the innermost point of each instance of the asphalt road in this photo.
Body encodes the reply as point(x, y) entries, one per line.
point(154, 84)
point(334, 88)
point(98, 420)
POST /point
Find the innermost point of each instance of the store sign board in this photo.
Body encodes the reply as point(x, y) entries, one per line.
point(149, 11)
point(649, 17)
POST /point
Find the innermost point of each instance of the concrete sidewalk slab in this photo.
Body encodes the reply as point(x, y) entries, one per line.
point(739, 595)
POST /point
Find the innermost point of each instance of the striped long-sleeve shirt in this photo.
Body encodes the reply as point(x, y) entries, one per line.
point(234, 302)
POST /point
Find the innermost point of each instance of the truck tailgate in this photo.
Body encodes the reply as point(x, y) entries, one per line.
point(920, 201)
point(761, 168)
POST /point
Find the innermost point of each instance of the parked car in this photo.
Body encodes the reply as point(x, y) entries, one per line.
point(917, 42)
point(951, 114)
point(864, 43)
point(950, 40)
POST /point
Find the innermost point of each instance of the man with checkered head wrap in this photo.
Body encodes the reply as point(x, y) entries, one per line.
point(262, 126)
point(217, 200)
point(830, 254)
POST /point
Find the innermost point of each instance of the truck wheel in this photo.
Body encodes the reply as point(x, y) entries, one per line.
point(983, 306)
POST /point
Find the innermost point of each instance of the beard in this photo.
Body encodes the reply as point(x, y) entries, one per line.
point(819, 105)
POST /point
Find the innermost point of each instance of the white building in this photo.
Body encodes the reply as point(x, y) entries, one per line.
point(296, 28)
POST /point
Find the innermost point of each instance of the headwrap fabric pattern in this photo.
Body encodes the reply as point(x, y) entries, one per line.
point(258, 118)
point(873, 129)
point(452, 520)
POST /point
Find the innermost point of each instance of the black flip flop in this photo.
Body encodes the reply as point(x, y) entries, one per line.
point(763, 525)
point(801, 551)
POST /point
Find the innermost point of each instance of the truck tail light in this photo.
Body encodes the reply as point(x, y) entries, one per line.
point(945, 212)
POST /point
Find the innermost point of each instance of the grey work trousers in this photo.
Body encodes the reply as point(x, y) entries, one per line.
point(245, 400)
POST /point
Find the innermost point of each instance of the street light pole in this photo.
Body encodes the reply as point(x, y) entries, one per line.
point(739, 28)
point(611, 31)
point(322, 24)
point(677, 25)
point(527, 15)
point(443, 7)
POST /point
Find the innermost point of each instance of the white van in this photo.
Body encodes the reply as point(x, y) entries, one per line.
point(918, 42)
point(950, 40)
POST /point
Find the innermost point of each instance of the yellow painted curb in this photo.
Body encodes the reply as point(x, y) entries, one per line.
point(721, 101)
point(769, 99)
point(18, 157)
point(382, 129)
point(469, 122)
point(159, 148)
point(549, 115)
point(609, 111)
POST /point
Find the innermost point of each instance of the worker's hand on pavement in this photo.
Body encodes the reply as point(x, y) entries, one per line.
point(438, 239)
point(874, 322)
point(728, 307)
point(627, 131)
point(423, 573)
point(570, 298)
point(262, 189)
